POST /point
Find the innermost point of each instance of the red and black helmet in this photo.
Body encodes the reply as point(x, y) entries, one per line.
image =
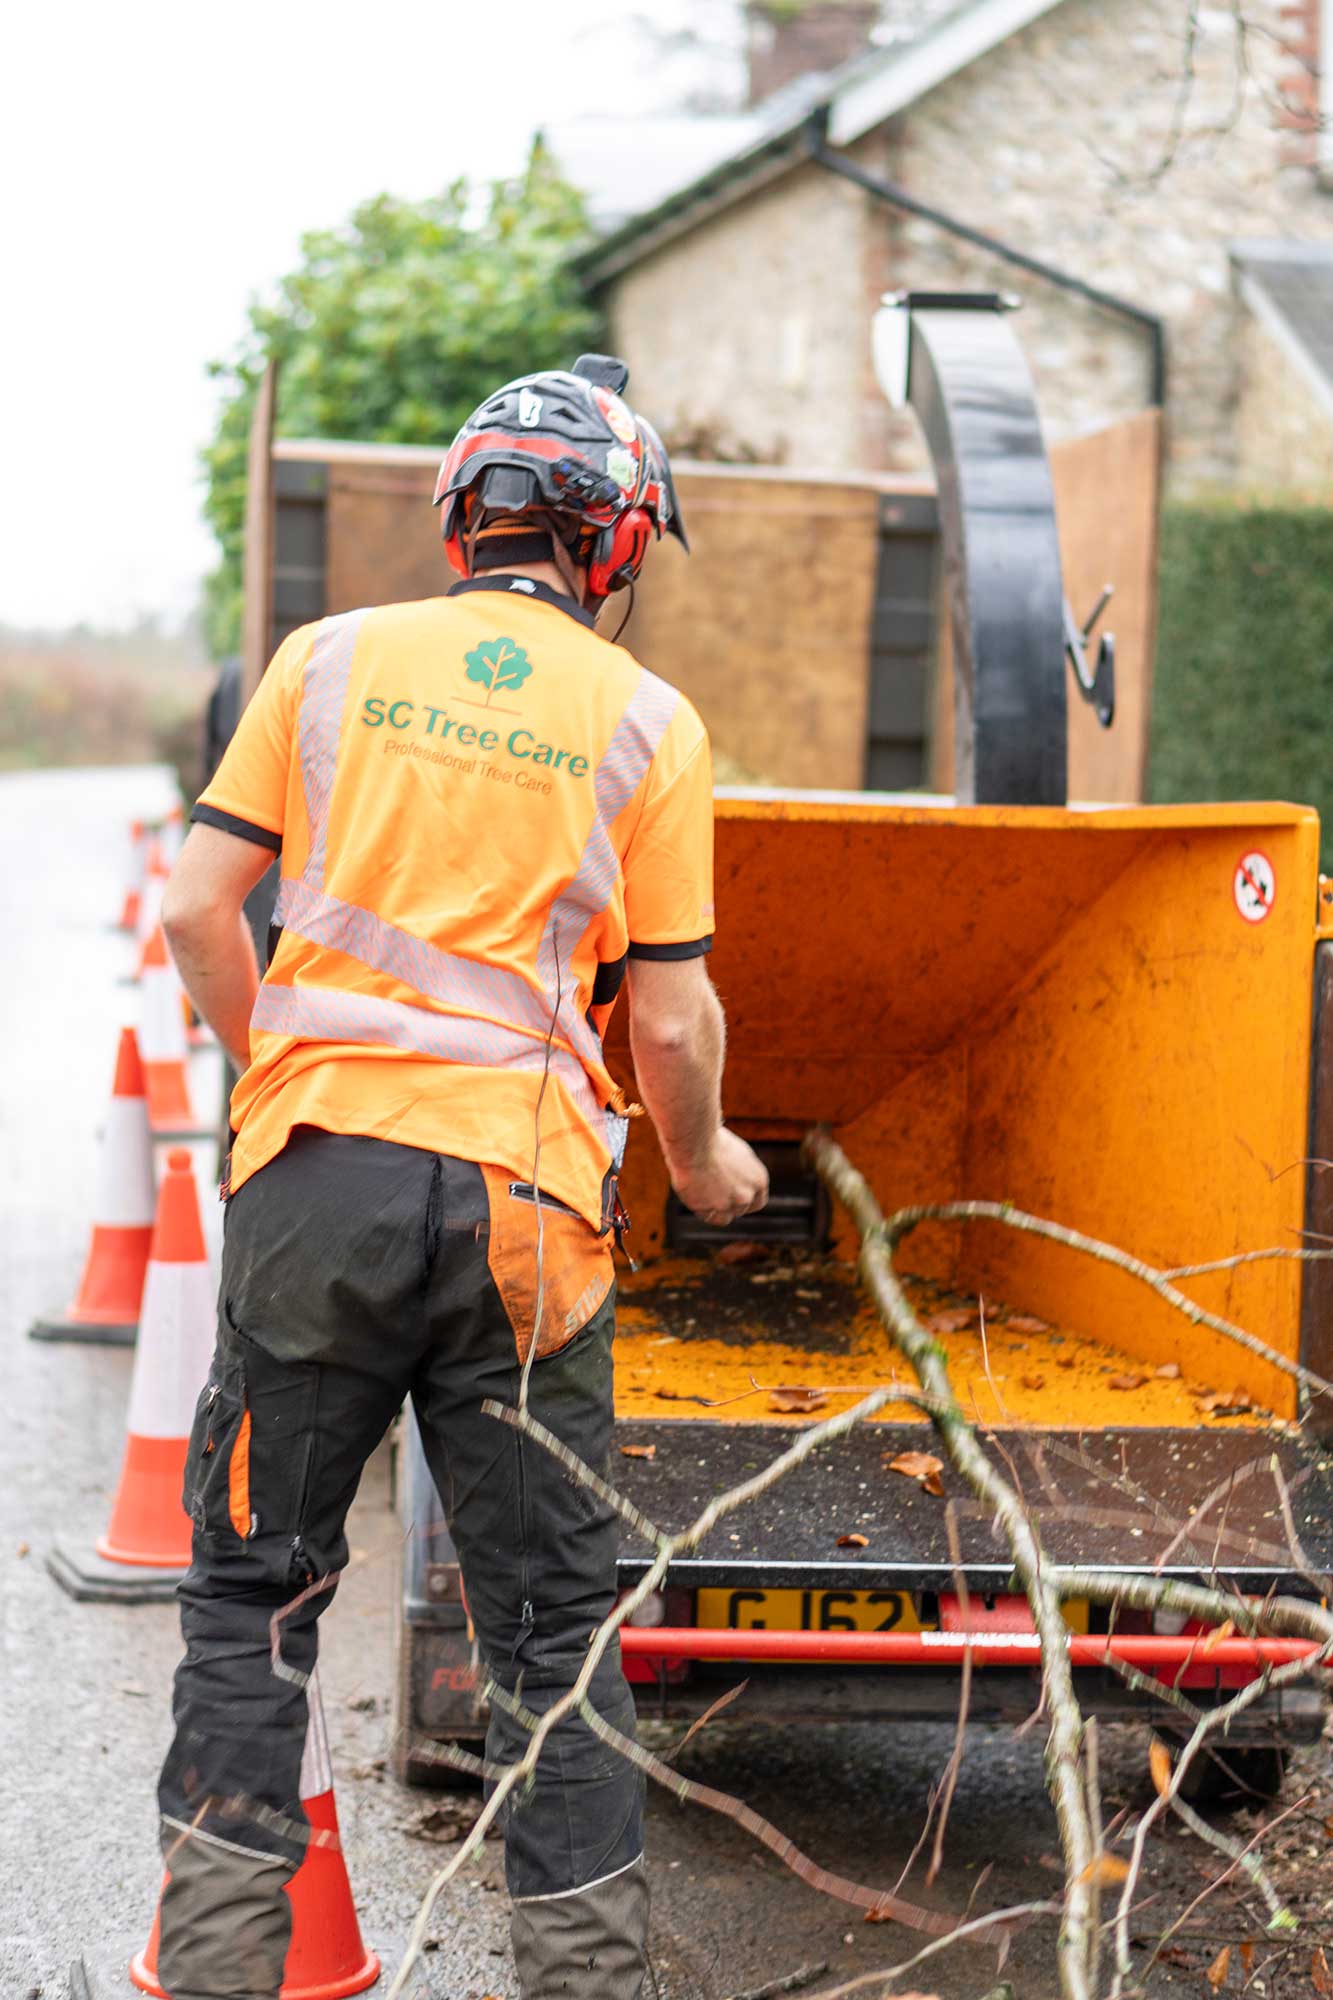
point(563, 443)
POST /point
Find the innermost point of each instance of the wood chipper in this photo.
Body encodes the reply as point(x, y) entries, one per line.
point(1120, 1019)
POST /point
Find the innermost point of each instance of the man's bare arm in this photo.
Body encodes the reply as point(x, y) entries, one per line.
point(209, 936)
point(678, 1038)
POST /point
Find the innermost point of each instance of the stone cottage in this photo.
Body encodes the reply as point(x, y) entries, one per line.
point(1177, 160)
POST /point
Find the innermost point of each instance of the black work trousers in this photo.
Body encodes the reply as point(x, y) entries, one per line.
point(355, 1273)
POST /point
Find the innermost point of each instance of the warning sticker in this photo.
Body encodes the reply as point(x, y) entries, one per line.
point(1254, 886)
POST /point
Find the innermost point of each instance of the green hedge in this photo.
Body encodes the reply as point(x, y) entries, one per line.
point(1243, 693)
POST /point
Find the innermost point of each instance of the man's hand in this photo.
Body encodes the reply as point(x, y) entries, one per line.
point(731, 1180)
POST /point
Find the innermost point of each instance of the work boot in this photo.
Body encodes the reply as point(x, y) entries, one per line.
point(226, 1923)
point(588, 1943)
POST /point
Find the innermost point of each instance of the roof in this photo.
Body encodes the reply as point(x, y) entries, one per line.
point(856, 98)
point(1288, 286)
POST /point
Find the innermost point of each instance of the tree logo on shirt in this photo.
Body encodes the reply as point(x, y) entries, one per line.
point(497, 664)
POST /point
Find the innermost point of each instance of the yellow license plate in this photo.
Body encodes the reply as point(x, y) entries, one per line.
point(808, 1610)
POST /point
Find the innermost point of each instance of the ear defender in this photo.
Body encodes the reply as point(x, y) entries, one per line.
point(618, 552)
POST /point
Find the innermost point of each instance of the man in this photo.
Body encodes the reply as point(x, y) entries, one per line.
point(488, 817)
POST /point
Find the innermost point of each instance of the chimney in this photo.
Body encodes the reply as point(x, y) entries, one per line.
point(791, 38)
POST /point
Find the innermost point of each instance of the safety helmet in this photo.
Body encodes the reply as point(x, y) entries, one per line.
point(563, 444)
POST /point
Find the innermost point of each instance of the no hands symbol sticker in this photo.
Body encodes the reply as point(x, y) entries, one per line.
point(1254, 886)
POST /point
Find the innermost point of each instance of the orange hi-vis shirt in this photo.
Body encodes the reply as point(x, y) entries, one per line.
point(482, 810)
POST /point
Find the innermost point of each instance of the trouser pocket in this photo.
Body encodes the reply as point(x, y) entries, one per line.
point(247, 1469)
point(570, 1279)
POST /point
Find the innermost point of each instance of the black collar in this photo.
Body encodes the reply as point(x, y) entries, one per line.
point(525, 586)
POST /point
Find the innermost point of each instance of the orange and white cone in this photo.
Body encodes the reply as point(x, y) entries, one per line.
point(326, 1958)
point(162, 1043)
point(155, 877)
point(173, 834)
point(146, 1548)
point(134, 874)
point(106, 1305)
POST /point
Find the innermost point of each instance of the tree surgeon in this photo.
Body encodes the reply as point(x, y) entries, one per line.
point(488, 817)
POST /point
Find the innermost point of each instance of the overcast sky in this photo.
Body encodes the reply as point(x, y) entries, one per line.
point(158, 164)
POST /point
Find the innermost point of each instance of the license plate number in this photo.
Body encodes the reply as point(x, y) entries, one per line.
point(808, 1610)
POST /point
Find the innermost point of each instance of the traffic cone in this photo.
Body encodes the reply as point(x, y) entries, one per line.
point(106, 1305)
point(138, 856)
point(146, 1548)
point(326, 1958)
point(163, 1046)
point(155, 877)
point(173, 834)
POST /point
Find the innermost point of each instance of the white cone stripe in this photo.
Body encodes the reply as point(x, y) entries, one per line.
point(150, 907)
point(316, 1763)
point(125, 1193)
point(176, 1326)
point(162, 1030)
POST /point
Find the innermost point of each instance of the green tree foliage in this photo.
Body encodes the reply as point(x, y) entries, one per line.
point(1243, 683)
point(393, 328)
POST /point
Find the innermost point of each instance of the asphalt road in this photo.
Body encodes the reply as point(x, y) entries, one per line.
point(84, 1716)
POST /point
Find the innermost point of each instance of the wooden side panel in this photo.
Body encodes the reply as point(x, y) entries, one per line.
point(382, 535)
point(766, 624)
point(1106, 499)
point(257, 574)
point(1106, 491)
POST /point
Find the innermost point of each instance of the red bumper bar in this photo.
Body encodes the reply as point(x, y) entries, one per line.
point(673, 1643)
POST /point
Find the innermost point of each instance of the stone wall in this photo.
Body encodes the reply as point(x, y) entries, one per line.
point(1284, 433)
point(748, 338)
point(750, 335)
point(1063, 141)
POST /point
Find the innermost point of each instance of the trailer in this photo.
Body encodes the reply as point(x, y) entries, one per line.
point(1118, 1018)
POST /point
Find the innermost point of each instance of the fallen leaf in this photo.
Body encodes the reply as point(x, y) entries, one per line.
point(1033, 1381)
point(1219, 1405)
point(791, 1398)
point(853, 1541)
point(1320, 1976)
point(921, 1466)
point(1159, 1765)
point(1169, 1371)
point(1105, 1870)
point(1216, 1974)
point(952, 1321)
point(1026, 1323)
point(448, 1821)
point(1247, 1954)
point(746, 1252)
point(1215, 1637)
point(1126, 1381)
point(638, 1451)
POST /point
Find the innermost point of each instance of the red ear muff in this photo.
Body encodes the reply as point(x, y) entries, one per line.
point(618, 552)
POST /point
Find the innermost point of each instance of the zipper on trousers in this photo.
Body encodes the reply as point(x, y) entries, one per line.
point(527, 1616)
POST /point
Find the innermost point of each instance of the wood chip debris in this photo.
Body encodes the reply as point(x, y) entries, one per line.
point(954, 1321)
point(853, 1541)
point(1127, 1382)
point(638, 1451)
point(1025, 1323)
point(1168, 1372)
point(922, 1466)
point(795, 1400)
